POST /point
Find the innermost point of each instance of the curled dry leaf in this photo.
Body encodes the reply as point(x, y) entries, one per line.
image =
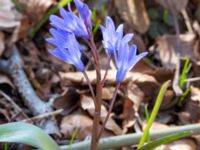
point(167, 48)
point(183, 144)
point(5, 80)
point(77, 77)
point(107, 93)
point(128, 115)
point(34, 11)
point(67, 101)
point(134, 13)
point(77, 120)
point(193, 104)
point(37, 8)
point(173, 5)
point(87, 104)
point(135, 94)
point(2, 43)
point(159, 73)
point(8, 17)
point(132, 100)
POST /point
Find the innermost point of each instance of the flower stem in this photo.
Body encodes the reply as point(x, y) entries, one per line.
point(105, 75)
point(96, 120)
point(90, 87)
point(109, 111)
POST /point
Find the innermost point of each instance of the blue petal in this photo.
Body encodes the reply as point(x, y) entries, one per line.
point(57, 22)
point(120, 74)
point(84, 12)
point(127, 37)
point(132, 52)
point(61, 54)
point(136, 59)
point(109, 24)
point(120, 30)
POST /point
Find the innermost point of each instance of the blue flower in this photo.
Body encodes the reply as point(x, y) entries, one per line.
point(84, 12)
point(66, 48)
point(126, 58)
point(72, 23)
point(111, 36)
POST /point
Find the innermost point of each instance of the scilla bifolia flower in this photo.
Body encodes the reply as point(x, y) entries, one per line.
point(72, 23)
point(110, 36)
point(69, 26)
point(66, 48)
point(117, 46)
point(126, 58)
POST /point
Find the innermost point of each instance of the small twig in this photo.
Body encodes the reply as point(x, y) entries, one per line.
point(43, 116)
point(13, 103)
point(175, 83)
point(14, 68)
point(109, 111)
point(192, 79)
point(187, 21)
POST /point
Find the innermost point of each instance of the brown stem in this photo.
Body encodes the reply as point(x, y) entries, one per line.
point(91, 89)
point(96, 120)
point(109, 111)
point(105, 75)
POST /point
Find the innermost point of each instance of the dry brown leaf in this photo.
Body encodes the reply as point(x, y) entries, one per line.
point(88, 104)
point(159, 73)
point(128, 115)
point(77, 77)
point(107, 93)
point(2, 43)
point(193, 104)
point(21, 31)
point(135, 94)
point(5, 80)
point(67, 100)
point(183, 144)
point(167, 47)
point(7, 15)
point(174, 5)
point(134, 13)
point(184, 117)
point(37, 8)
point(74, 121)
point(79, 120)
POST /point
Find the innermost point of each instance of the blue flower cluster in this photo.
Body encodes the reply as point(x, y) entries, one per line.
point(66, 28)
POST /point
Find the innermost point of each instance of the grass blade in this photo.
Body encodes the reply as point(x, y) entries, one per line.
point(154, 113)
point(164, 140)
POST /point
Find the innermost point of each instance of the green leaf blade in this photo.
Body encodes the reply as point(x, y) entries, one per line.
point(164, 140)
point(19, 132)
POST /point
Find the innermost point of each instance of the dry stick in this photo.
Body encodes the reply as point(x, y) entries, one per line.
point(43, 116)
point(175, 84)
point(13, 103)
point(109, 111)
point(187, 21)
point(14, 68)
point(192, 79)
